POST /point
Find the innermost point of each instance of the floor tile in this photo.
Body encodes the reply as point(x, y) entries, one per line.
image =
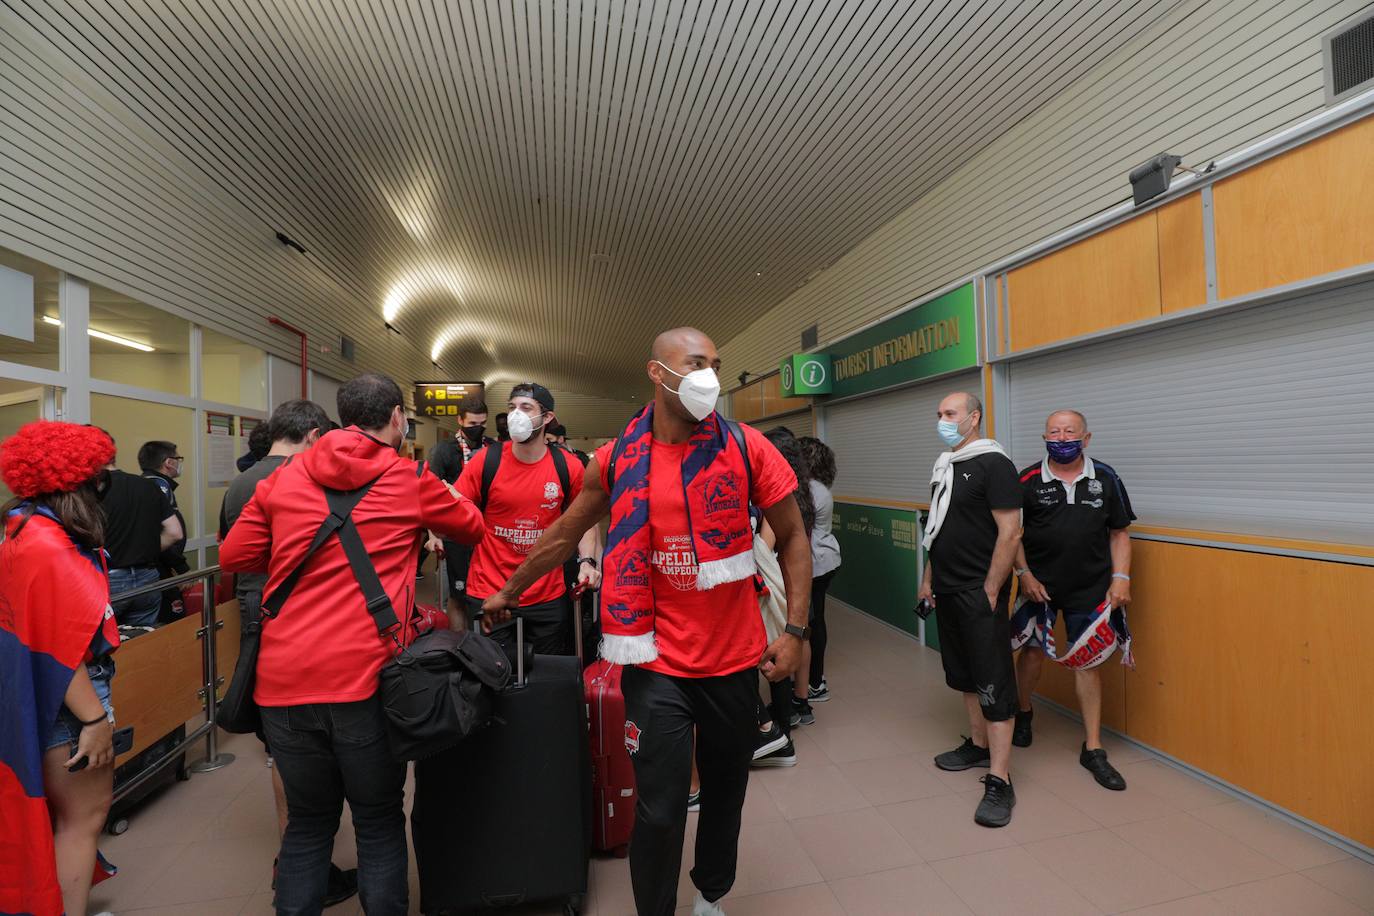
point(852, 843)
point(229, 906)
point(810, 900)
point(912, 891)
point(942, 827)
point(1107, 871)
point(1351, 878)
point(845, 743)
point(1110, 809)
point(1200, 905)
point(1188, 792)
point(802, 792)
point(212, 870)
point(1266, 833)
point(1198, 852)
point(1039, 813)
point(759, 806)
point(1283, 895)
point(138, 868)
point(888, 780)
point(1010, 881)
point(771, 858)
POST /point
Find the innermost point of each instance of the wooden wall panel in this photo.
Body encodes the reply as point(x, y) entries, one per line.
point(1252, 667)
point(764, 399)
point(1299, 215)
point(157, 679)
point(1182, 254)
point(227, 642)
point(1100, 282)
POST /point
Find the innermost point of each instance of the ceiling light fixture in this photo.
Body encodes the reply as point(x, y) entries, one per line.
point(101, 335)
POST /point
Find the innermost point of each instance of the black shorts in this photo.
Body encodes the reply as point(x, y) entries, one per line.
point(975, 647)
point(457, 559)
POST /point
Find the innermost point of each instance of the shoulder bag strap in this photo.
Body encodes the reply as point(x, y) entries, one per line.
point(490, 463)
point(378, 601)
point(339, 510)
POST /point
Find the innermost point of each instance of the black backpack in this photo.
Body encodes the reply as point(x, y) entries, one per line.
point(491, 463)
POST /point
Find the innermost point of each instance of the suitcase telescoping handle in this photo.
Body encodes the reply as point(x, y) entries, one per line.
point(520, 641)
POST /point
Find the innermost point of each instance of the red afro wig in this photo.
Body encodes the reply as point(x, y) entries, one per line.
point(49, 457)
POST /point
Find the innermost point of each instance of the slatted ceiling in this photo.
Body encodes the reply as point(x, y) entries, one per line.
point(1236, 72)
point(467, 160)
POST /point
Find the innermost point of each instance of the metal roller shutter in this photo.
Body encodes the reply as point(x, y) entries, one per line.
point(1255, 422)
point(885, 445)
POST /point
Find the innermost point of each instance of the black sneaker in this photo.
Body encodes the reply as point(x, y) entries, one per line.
point(694, 801)
point(998, 800)
point(1095, 762)
point(785, 756)
point(772, 740)
point(342, 885)
point(1021, 734)
point(801, 713)
point(964, 757)
point(818, 694)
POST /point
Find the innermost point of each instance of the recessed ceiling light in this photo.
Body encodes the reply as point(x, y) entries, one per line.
point(101, 335)
point(758, 273)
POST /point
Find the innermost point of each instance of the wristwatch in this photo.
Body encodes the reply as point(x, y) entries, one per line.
point(802, 633)
point(591, 560)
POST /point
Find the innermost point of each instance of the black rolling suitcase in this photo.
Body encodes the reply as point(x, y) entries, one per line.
point(505, 817)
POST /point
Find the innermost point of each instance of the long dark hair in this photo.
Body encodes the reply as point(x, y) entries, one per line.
point(78, 510)
point(821, 459)
point(791, 450)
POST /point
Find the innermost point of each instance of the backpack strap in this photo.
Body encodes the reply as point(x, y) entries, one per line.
point(341, 505)
point(737, 432)
point(560, 464)
point(378, 601)
point(490, 464)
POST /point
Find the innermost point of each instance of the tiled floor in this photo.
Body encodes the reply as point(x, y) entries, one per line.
point(864, 825)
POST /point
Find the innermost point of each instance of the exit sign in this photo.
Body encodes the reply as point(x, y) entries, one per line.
point(805, 373)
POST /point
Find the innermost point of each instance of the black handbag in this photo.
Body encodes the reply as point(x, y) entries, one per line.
point(238, 712)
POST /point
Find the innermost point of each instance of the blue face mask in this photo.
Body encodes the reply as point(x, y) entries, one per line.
point(1064, 451)
point(949, 431)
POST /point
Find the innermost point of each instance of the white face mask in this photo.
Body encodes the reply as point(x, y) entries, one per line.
point(521, 426)
point(698, 392)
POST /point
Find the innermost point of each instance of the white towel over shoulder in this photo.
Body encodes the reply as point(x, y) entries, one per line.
point(942, 479)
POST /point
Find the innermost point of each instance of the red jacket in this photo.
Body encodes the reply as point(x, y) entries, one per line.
point(323, 647)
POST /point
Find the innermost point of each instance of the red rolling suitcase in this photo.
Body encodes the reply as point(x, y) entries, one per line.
point(613, 776)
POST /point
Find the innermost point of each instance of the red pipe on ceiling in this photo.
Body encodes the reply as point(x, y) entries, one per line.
point(305, 353)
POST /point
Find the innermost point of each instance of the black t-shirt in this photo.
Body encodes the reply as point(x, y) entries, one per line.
point(962, 551)
point(239, 495)
point(1068, 540)
point(135, 508)
point(446, 460)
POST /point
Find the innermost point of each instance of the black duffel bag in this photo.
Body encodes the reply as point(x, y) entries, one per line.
point(437, 691)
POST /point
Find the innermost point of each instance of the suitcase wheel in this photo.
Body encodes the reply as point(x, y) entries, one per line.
point(117, 826)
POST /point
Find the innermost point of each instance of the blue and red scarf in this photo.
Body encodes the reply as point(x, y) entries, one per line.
point(715, 486)
point(54, 610)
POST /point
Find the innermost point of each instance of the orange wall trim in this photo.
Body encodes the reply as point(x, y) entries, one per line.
point(1247, 667)
point(881, 503)
point(1251, 540)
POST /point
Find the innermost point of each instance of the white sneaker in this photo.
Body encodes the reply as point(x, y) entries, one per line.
point(703, 907)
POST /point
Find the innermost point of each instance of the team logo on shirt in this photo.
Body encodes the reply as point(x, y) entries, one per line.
point(522, 537)
point(633, 571)
point(1094, 488)
point(676, 561)
point(632, 734)
point(723, 493)
point(553, 494)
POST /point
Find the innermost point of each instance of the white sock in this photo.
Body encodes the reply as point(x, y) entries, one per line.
point(704, 907)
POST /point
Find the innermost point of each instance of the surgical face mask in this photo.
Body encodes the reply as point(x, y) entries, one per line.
point(1064, 451)
point(521, 426)
point(698, 391)
point(949, 432)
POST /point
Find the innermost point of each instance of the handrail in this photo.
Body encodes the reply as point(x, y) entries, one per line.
point(209, 625)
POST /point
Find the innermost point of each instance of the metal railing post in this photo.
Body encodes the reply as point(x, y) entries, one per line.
point(210, 625)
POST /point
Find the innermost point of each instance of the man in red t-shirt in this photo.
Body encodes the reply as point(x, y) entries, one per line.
point(695, 668)
point(526, 495)
point(320, 657)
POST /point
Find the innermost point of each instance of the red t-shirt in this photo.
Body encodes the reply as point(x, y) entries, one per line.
point(716, 632)
point(524, 500)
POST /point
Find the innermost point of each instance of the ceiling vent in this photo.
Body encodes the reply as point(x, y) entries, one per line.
point(1348, 56)
point(810, 337)
point(347, 348)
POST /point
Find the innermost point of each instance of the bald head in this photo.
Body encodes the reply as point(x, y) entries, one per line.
point(672, 345)
point(1068, 421)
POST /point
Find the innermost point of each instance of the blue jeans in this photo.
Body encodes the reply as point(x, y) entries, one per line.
point(140, 611)
point(325, 753)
